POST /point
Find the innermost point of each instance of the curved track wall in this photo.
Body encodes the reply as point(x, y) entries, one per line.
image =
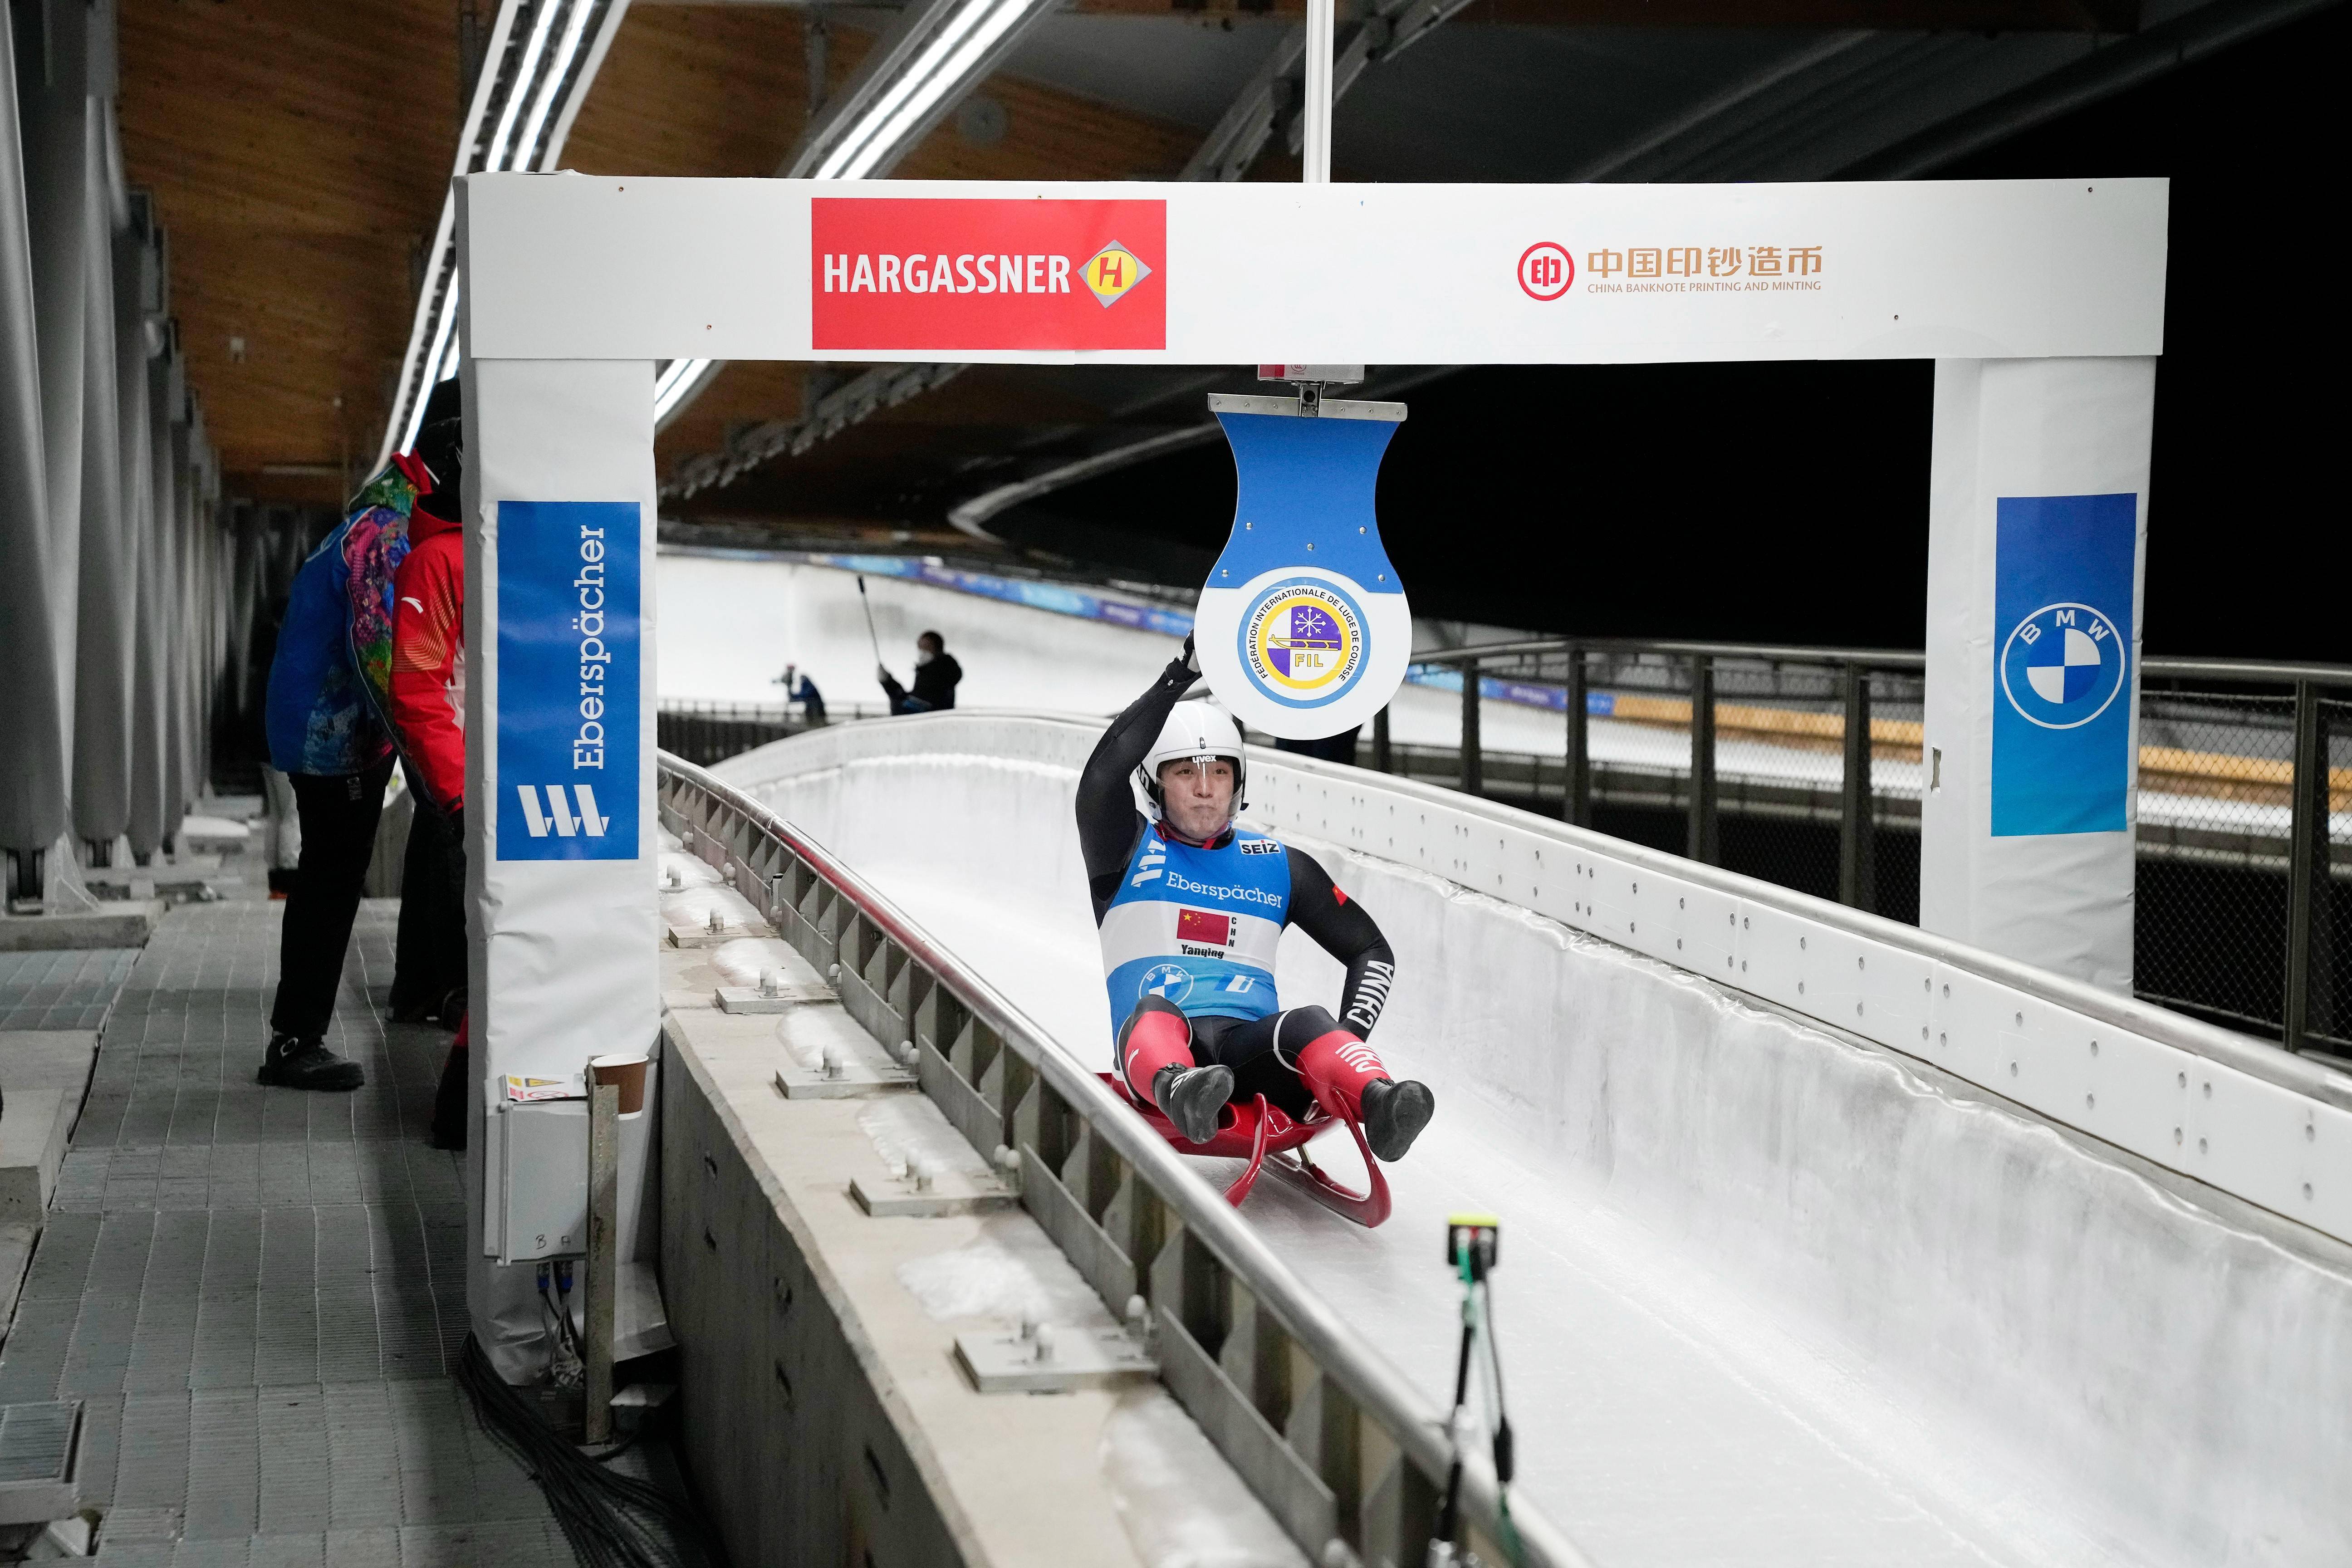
point(1785, 1275)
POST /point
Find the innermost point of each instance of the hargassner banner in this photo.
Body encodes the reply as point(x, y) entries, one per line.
point(2062, 725)
point(570, 642)
point(1234, 274)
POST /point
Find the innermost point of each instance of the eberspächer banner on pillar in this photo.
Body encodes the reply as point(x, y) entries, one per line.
point(568, 655)
point(1303, 629)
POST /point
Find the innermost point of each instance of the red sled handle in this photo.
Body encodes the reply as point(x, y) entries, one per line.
point(1248, 1178)
point(1368, 1208)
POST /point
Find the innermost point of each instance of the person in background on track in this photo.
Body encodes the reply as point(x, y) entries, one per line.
point(427, 703)
point(936, 675)
point(799, 688)
point(1190, 910)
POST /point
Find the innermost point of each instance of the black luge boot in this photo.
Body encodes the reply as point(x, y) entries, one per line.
point(1192, 1097)
point(1394, 1114)
point(290, 1063)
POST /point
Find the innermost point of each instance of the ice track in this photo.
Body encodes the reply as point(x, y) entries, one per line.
point(1768, 1297)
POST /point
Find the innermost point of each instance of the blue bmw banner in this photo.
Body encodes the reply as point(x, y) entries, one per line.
point(2061, 716)
point(569, 661)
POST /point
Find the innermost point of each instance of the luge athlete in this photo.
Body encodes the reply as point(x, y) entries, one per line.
point(1190, 909)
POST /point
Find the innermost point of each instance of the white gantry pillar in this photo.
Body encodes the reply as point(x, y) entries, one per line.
point(561, 834)
point(2037, 529)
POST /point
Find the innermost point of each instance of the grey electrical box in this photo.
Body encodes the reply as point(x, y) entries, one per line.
point(543, 1180)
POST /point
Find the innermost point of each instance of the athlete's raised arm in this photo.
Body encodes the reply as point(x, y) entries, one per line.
point(1107, 821)
point(1341, 927)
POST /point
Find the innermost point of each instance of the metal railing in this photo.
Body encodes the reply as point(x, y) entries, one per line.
point(709, 732)
point(1346, 1453)
point(2244, 840)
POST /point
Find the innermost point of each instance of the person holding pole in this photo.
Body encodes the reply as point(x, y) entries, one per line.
point(936, 676)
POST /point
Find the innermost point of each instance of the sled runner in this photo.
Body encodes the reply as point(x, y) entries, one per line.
point(1270, 1138)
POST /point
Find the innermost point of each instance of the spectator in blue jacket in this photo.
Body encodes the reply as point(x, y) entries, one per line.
point(325, 737)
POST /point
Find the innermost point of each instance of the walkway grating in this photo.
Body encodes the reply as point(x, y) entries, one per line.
point(61, 990)
point(259, 1293)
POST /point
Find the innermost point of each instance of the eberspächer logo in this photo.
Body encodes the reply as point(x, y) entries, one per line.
point(1303, 641)
point(2062, 666)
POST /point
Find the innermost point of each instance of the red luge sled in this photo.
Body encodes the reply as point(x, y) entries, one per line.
point(1253, 1133)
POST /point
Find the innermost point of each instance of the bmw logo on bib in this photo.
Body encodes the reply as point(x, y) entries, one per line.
point(2062, 666)
point(1303, 629)
point(1172, 981)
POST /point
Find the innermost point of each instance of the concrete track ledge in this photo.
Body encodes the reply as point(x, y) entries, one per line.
point(827, 1415)
point(129, 925)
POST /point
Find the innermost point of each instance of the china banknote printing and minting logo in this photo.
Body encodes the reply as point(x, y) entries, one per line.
point(1303, 642)
point(1111, 271)
point(2062, 666)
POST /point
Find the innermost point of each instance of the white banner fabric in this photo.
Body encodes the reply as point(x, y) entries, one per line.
point(2027, 820)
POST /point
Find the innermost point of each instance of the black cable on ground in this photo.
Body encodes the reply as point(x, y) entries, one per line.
point(612, 1521)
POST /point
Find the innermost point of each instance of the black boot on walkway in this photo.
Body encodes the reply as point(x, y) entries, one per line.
point(307, 1064)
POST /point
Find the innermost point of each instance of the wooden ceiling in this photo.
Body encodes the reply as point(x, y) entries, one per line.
point(299, 152)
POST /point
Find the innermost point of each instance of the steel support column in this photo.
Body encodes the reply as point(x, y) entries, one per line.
point(1473, 773)
point(102, 631)
point(33, 810)
point(1575, 802)
point(1703, 844)
point(2306, 874)
point(1857, 822)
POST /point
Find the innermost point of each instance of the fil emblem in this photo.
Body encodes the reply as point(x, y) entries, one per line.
point(1111, 271)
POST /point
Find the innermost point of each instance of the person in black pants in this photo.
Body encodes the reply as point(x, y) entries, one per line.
point(429, 963)
point(339, 813)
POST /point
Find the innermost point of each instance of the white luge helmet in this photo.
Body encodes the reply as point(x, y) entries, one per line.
point(1197, 731)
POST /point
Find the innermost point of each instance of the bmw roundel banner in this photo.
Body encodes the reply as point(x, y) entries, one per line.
point(1303, 629)
point(2062, 724)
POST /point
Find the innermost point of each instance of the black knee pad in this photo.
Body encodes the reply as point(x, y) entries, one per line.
point(1150, 1005)
point(1300, 1026)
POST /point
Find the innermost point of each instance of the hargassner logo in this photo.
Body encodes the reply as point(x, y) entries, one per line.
point(955, 274)
point(559, 817)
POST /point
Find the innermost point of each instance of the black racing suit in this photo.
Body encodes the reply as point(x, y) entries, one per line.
point(1261, 1052)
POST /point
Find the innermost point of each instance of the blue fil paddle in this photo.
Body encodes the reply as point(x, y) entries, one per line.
point(1303, 629)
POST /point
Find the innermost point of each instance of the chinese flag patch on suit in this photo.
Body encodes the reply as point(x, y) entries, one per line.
point(1199, 925)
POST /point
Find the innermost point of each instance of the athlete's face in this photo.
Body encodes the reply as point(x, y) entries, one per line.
point(1197, 798)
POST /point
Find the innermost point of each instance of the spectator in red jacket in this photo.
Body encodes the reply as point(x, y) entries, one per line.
point(428, 698)
point(428, 637)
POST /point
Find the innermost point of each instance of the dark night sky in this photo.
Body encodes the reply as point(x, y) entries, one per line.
point(1788, 502)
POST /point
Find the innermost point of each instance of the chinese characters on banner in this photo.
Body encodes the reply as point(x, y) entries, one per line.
point(1677, 268)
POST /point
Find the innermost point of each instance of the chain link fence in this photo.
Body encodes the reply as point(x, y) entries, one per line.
point(2229, 924)
point(1752, 758)
point(707, 733)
